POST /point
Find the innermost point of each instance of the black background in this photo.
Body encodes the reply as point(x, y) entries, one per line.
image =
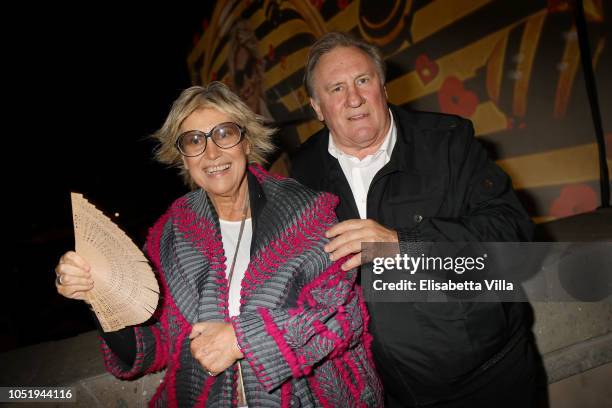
point(86, 86)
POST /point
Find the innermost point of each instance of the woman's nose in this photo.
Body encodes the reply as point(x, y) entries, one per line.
point(212, 150)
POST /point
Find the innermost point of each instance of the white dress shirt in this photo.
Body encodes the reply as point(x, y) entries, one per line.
point(360, 173)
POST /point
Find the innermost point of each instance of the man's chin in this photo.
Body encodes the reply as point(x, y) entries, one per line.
point(364, 136)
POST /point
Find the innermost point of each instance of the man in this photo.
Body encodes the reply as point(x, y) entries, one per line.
point(403, 177)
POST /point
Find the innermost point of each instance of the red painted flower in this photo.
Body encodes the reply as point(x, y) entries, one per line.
point(574, 199)
point(558, 6)
point(426, 68)
point(271, 53)
point(342, 4)
point(317, 3)
point(455, 99)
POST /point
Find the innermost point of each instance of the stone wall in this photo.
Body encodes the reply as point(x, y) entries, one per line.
point(575, 340)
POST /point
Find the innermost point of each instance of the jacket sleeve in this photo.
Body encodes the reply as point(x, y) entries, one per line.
point(121, 342)
point(287, 342)
point(481, 195)
point(150, 357)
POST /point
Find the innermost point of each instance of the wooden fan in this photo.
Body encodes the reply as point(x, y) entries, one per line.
point(125, 289)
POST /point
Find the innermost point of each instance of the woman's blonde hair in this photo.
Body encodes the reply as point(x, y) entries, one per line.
point(217, 96)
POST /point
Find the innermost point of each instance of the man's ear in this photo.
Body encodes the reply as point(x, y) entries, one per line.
point(317, 109)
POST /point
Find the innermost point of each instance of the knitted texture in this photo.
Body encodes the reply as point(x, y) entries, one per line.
point(302, 325)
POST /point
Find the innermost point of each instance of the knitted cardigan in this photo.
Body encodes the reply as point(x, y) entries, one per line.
point(303, 323)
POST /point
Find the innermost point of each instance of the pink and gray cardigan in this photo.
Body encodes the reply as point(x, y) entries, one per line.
point(303, 323)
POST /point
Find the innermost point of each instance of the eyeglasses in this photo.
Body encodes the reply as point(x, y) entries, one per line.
point(225, 135)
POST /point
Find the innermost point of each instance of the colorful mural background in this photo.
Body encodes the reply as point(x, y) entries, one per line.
point(512, 67)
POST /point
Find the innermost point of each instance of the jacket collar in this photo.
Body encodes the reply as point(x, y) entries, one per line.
point(336, 181)
point(403, 146)
point(257, 200)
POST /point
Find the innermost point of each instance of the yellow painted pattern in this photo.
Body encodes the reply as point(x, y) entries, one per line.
point(598, 50)
point(381, 41)
point(495, 69)
point(305, 130)
point(255, 21)
point(309, 13)
point(593, 10)
point(282, 33)
point(488, 119)
point(529, 45)
point(257, 18)
point(462, 63)
point(345, 20)
point(221, 59)
point(296, 99)
point(292, 63)
point(439, 14)
point(562, 166)
point(568, 68)
point(220, 25)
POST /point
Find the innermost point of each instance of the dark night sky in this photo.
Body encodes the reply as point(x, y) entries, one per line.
point(106, 82)
point(91, 85)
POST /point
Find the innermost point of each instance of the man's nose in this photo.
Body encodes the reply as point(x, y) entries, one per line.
point(354, 97)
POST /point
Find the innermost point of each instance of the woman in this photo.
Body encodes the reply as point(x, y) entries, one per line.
point(252, 308)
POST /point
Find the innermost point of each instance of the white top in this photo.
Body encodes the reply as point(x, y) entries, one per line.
point(229, 235)
point(360, 173)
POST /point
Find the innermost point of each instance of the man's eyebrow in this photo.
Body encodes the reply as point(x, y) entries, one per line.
point(334, 84)
point(367, 73)
point(343, 82)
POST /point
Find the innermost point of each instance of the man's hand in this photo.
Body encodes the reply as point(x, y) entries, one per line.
point(214, 345)
point(347, 237)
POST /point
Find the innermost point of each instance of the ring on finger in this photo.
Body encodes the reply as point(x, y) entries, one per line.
point(58, 280)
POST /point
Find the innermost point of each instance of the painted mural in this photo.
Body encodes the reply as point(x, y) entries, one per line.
point(512, 67)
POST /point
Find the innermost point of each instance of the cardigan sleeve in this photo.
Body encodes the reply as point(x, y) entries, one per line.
point(149, 355)
point(150, 339)
point(284, 343)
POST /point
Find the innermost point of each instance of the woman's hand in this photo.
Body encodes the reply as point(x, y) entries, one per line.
point(214, 345)
point(73, 279)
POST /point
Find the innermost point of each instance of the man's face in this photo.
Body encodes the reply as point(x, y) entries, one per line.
point(350, 97)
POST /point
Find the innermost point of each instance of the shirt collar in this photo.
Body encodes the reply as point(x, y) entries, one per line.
point(386, 147)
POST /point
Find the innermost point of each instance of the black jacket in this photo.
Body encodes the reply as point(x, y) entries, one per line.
point(439, 185)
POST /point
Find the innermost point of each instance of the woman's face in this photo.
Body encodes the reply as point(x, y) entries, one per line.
point(218, 171)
